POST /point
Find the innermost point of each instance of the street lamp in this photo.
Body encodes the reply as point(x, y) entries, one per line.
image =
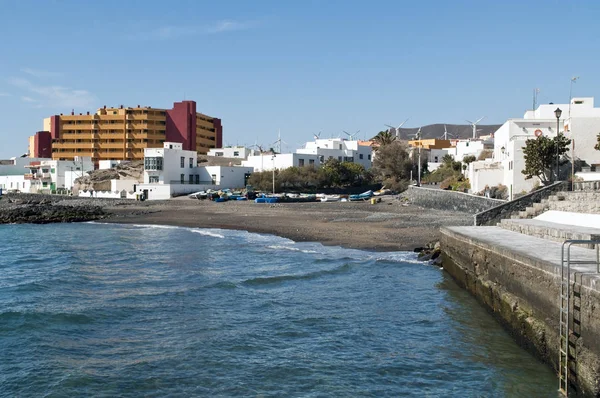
point(557, 113)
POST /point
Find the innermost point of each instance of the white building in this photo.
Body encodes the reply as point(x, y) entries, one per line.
point(12, 174)
point(340, 149)
point(470, 147)
point(579, 121)
point(239, 152)
point(171, 171)
point(279, 161)
point(52, 176)
point(108, 164)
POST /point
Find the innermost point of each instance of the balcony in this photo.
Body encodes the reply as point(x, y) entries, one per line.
point(111, 145)
point(73, 145)
point(45, 176)
point(31, 176)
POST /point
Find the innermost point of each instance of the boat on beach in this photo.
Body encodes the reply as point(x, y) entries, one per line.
point(363, 196)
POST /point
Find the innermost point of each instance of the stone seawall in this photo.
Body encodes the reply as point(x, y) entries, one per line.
point(449, 200)
point(492, 216)
point(521, 291)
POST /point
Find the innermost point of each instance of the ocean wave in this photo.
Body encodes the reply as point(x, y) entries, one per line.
point(291, 248)
point(206, 233)
point(269, 280)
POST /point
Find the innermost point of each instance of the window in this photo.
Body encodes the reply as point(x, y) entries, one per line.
point(182, 178)
point(214, 178)
point(360, 156)
point(340, 146)
point(311, 162)
point(369, 157)
point(340, 158)
point(218, 153)
point(191, 162)
point(155, 163)
point(182, 162)
point(236, 153)
point(191, 179)
point(153, 179)
point(197, 178)
point(300, 162)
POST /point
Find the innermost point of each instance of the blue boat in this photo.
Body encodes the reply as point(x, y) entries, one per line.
point(266, 199)
point(363, 196)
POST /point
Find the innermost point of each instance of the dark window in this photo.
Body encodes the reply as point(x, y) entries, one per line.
point(369, 157)
point(300, 162)
point(153, 179)
point(182, 162)
point(311, 162)
point(191, 178)
point(155, 163)
point(182, 178)
point(360, 156)
point(191, 162)
point(197, 178)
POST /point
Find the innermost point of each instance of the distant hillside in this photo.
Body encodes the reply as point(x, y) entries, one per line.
point(454, 131)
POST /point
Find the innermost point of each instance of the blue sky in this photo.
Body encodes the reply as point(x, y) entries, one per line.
point(298, 66)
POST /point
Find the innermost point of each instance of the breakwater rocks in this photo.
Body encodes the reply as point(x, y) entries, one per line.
point(40, 209)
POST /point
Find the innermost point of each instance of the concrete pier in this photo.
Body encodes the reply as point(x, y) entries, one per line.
point(517, 277)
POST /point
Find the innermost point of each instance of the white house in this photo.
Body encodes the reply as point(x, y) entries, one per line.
point(12, 174)
point(239, 152)
point(49, 176)
point(470, 147)
point(172, 171)
point(579, 120)
point(266, 162)
point(340, 149)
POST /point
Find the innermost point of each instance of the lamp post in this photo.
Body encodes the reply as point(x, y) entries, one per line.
point(557, 113)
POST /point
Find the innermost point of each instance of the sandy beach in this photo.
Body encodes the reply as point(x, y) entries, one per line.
point(386, 226)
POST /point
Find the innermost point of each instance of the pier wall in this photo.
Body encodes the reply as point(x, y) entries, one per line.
point(522, 293)
point(449, 200)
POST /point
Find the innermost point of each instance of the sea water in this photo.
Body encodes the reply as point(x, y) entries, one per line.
point(127, 311)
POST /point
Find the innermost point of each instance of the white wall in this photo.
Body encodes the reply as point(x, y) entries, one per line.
point(13, 183)
point(280, 161)
point(482, 174)
point(338, 148)
point(108, 164)
point(232, 152)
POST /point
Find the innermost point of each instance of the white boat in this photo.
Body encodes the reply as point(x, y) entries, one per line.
point(330, 198)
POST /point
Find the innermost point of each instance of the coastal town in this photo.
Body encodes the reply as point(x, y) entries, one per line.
point(290, 199)
point(166, 145)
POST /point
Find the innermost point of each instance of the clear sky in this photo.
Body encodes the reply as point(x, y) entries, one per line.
point(298, 66)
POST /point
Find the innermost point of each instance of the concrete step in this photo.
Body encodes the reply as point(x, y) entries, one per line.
point(551, 231)
point(523, 214)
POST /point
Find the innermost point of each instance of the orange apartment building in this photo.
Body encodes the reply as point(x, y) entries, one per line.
point(123, 133)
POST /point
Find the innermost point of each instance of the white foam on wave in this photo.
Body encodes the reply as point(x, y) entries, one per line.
point(207, 233)
point(291, 248)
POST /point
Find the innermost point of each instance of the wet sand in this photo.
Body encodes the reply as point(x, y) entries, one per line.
point(387, 226)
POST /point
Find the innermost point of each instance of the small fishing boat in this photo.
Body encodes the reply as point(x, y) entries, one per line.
point(363, 196)
point(330, 198)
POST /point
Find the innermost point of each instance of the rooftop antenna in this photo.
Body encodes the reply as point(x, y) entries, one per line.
point(474, 125)
point(573, 80)
point(396, 129)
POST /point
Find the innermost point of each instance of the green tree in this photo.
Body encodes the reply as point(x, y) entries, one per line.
point(392, 166)
point(383, 138)
point(468, 159)
point(540, 157)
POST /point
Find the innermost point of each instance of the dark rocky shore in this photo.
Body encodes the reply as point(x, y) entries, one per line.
point(44, 209)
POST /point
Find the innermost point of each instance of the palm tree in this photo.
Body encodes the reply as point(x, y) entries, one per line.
point(383, 138)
